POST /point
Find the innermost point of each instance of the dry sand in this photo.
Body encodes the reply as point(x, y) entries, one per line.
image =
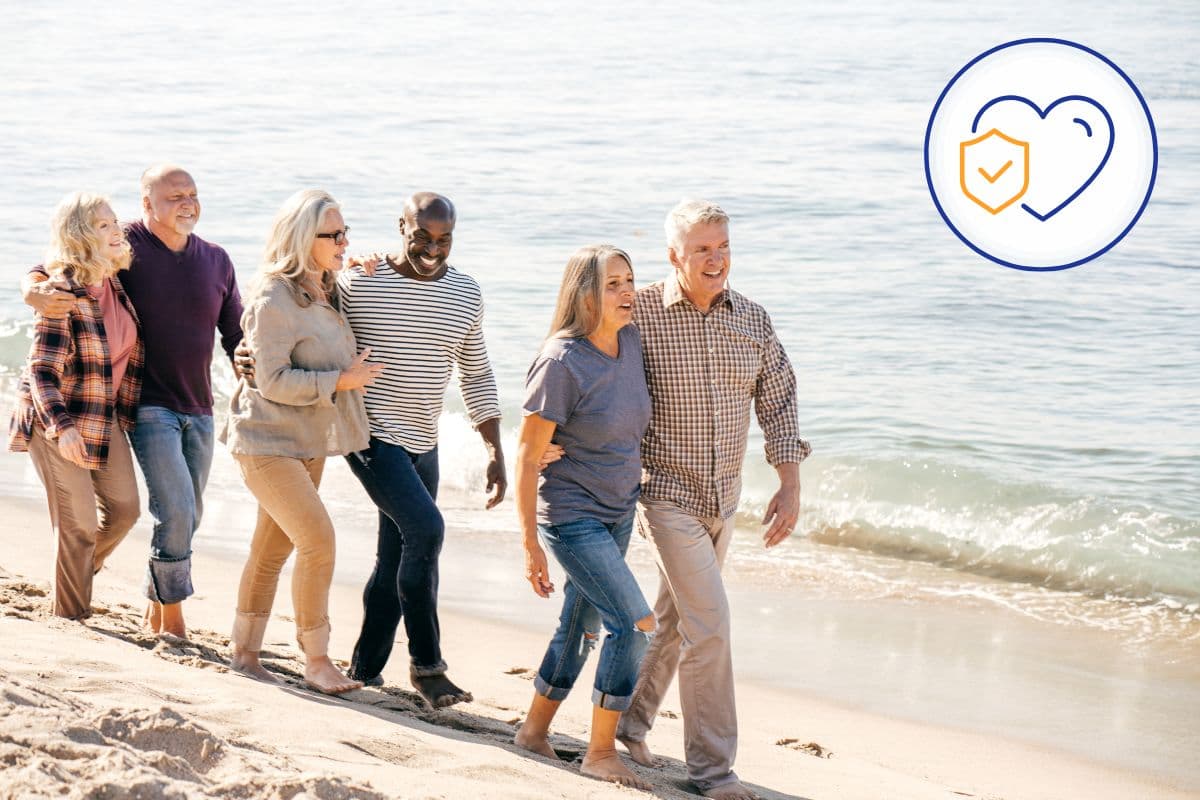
point(103, 710)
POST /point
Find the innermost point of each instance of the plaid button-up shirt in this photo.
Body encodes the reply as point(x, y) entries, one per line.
point(703, 371)
point(67, 380)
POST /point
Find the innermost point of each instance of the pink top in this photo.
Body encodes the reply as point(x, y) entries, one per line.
point(119, 329)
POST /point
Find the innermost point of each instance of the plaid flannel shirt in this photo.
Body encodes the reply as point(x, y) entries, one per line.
point(703, 371)
point(67, 380)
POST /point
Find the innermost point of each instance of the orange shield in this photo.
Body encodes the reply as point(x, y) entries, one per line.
point(993, 170)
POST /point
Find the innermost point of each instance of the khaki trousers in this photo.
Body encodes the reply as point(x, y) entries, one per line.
point(692, 638)
point(91, 510)
point(291, 517)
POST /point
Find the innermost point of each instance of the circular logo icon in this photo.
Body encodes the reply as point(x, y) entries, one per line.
point(1041, 154)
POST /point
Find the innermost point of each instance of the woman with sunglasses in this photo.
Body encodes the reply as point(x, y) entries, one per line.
point(304, 403)
point(78, 396)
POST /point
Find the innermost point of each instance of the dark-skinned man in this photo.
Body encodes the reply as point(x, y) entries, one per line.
point(420, 317)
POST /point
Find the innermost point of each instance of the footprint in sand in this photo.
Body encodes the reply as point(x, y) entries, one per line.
point(812, 748)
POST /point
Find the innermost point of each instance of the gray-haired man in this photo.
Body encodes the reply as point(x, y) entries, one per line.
point(709, 354)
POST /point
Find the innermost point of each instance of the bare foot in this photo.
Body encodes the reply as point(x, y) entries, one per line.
point(439, 692)
point(535, 743)
point(152, 619)
point(606, 765)
point(248, 664)
point(639, 752)
point(172, 620)
point(322, 675)
point(730, 791)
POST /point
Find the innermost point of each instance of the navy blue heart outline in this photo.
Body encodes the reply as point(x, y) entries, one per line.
point(937, 204)
point(1112, 135)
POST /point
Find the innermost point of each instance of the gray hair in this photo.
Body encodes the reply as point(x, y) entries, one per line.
point(289, 247)
point(688, 214)
point(580, 297)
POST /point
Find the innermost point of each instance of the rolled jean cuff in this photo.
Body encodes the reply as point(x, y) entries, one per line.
point(169, 581)
point(418, 671)
point(549, 692)
point(611, 702)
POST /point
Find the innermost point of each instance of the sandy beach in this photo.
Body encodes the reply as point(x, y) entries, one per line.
point(101, 709)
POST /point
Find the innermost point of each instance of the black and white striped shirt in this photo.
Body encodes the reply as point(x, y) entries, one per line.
point(420, 330)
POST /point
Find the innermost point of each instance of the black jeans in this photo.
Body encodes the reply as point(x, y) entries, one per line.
point(404, 583)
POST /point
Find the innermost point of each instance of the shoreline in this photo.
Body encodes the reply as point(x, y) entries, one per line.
point(874, 755)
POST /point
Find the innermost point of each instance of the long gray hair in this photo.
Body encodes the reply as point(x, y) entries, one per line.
point(289, 247)
point(580, 298)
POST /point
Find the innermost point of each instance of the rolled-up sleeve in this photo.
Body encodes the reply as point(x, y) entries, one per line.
point(271, 335)
point(776, 407)
point(476, 378)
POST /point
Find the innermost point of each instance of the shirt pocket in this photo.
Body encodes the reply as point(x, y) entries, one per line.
point(740, 355)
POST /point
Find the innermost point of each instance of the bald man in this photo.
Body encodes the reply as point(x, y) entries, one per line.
point(421, 317)
point(183, 289)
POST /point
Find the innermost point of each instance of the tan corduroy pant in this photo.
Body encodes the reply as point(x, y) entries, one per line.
point(291, 517)
point(91, 510)
point(692, 614)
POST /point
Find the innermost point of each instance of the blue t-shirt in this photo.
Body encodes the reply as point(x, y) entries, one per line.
point(601, 406)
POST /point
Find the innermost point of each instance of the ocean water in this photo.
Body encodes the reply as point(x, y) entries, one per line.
point(1027, 441)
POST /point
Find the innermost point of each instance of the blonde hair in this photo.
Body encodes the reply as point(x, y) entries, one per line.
point(75, 246)
point(686, 215)
point(583, 281)
point(289, 247)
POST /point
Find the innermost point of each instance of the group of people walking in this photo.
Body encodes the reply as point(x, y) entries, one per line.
point(637, 412)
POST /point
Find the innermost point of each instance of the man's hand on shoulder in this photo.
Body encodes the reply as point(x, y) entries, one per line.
point(45, 297)
point(369, 263)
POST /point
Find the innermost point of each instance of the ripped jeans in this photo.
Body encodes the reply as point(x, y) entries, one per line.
point(599, 589)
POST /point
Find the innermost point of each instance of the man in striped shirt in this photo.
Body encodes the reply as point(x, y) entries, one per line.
point(421, 317)
point(710, 353)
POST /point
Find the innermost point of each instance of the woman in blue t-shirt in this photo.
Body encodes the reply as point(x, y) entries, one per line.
point(586, 392)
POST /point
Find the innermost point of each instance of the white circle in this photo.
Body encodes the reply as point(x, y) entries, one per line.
point(1024, 91)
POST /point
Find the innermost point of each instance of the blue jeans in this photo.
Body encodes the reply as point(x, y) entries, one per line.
point(599, 588)
point(175, 452)
point(404, 583)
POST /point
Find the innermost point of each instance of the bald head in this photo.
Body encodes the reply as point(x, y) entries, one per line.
point(432, 205)
point(170, 204)
point(427, 225)
point(158, 172)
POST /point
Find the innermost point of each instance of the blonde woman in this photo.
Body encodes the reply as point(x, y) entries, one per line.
point(587, 392)
point(303, 404)
point(78, 396)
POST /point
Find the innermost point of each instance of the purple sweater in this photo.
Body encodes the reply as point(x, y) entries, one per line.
point(181, 298)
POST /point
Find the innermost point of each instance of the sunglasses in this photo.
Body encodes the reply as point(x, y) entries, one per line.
point(339, 237)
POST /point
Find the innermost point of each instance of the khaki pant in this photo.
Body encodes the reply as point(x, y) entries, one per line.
point(693, 637)
point(291, 517)
point(91, 510)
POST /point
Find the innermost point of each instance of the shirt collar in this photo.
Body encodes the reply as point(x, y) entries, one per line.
point(673, 293)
